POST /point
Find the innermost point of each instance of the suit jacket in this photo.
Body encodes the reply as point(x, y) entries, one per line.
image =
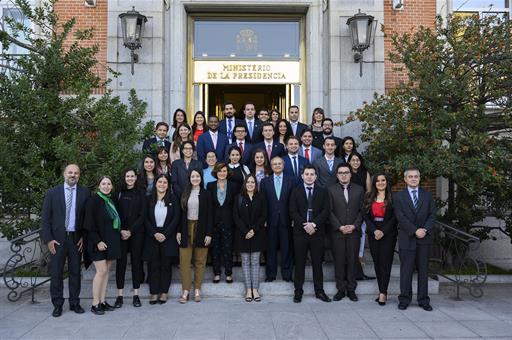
point(277, 149)
point(299, 207)
point(223, 127)
point(204, 222)
point(170, 228)
point(300, 128)
point(256, 134)
point(135, 217)
point(388, 226)
point(343, 213)
point(318, 141)
point(223, 213)
point(249, 215)
point(288, 168)
point(205, 145)
point(326, 177)
point(277, 209)
point(247, 154)
point(314, 153)
point(150, 145)
point(53, 215)
point(410, 219)
point(180, 174)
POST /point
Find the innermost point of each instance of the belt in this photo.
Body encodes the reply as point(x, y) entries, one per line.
point(69, 233)
point(378, 219)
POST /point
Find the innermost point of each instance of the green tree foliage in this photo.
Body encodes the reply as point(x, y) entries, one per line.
point(49, 116)
point(452, 118)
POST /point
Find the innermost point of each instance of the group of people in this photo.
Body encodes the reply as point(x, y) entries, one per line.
point(238, 187)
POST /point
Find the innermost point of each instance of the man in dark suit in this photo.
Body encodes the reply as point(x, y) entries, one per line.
point(327, 164)
point(211, 140)
point(276, 190)
point(345, 222)
point(271, 147)
point(252, 124)
point(62, 219)
point(159, 140)
point(240, 132)
point(415, 211)
point(293, 163)
point(310, 210)
point(319, 137)
point(293, 117)
point(227, 125)
point(307, 150)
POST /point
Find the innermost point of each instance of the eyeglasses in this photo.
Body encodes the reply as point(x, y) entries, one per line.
point(343, 172)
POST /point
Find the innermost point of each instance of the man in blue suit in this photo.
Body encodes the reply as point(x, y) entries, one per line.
point(293, 116)
point(307, 150)
point(271, 147)
point(293, 163)
point(240, 132)
point(277, 189)
point(211, 140)
point(227, 125)
point(61, 230)
point(252, 124)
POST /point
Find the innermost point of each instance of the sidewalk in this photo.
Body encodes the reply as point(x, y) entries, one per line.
point(273, 318)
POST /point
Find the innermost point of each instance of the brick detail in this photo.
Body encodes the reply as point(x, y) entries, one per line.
point(88, 17)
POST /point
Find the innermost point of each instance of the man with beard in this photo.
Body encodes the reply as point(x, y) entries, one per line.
point(319, 137)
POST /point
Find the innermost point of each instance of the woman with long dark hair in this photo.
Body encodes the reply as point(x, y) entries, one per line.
point(249, 215)
point(195, 234)
point(275, 116)
point(347, 147)
point(199, 125)
point(317, 119)
point(259, 165)
point(183, 134)
point(147, 174)
point(130, 202)
point(162, 221)
point(282, 131)
point(382, 231)
point(179, 117)
point(238, 171)
point(163, 165)
point(360, 175)
point(181, 168)
point(103, 225)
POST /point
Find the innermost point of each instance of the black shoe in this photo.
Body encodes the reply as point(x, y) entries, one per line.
point(77, 309)
point(106, 306)
point(229, 279)
point(57, 311)
point(366, 277)
point(402, 306)
point(216, 279)
point(119, 302)
point(339, 295)
point(98, 309)
point(297, 297)
point(352, 296)
point(153, 302)
point(136, 301)
point(270, 279)
point(321, 296)
point(427, 307)
point(287, 279)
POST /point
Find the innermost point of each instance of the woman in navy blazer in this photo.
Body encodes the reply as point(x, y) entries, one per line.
point(381, 225)
point(162, 221)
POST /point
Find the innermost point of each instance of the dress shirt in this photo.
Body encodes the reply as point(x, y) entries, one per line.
point(295, 163)
point(215, 136)
point(294, 127)
point(72, 212)
point(207, 176)
point(310, 208)
point(411, 194)
point(278, 184)
point(193, 205)
point(250, 126)
point(330, 162)
point(160, 213)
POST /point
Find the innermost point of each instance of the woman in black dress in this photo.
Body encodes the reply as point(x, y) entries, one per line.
point(237, 170)
point(249, 215)
point(103, 225)
point(382, 231)
point(131, 205)
point(163, 219)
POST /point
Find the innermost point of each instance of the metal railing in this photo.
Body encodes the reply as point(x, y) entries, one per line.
point(29, 255)
point(450, 259)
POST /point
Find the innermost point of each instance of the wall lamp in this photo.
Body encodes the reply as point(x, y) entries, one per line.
point(362, 31)
point(132, 24)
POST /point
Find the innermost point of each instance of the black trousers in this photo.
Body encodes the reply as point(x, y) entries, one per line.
point(345, 251)
point(134, 245)
point(382, 252)
point(315, 244)
point(160, 271)
point(222, 248)
point(279, 239)
point(66, 250)
point(408, 260)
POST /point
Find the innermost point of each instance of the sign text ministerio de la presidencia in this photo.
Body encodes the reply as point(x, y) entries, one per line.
point(270, 72)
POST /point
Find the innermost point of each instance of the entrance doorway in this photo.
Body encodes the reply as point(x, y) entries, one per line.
point(263, 96)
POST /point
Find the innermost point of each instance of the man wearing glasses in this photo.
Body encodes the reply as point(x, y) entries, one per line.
point(346, 199)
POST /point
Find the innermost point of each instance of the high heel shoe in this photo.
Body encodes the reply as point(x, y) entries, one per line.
point(197, 296)
point(184, 297)
point(382, 303)
point(153, 300)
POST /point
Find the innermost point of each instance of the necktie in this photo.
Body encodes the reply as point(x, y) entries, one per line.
point(310, 203)
point(278, 185)
point(69, 202)
point(214, 140)
point(230, 128)
point(330, 163)
point(269, 151)
point(250, 129)
point(241, 145)
point(295, 166)
point(415, 199)
point(294, 128)
point(345, 193)
point(306, 154)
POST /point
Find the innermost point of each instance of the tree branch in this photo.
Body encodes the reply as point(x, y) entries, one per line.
point(12, 68)
point(21, 44)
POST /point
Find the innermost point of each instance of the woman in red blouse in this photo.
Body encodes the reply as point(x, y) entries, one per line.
point(199, 125)
point(381, 225)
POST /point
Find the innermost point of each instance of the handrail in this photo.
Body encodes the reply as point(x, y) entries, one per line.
point(450, 252)
point(28, 253)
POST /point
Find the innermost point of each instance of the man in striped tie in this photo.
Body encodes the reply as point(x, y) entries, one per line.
point(416, 211)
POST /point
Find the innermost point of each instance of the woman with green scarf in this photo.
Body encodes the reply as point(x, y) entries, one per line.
point(104, 241)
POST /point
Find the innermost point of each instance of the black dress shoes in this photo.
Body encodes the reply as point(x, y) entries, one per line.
point(427, 307)
point(119, 302)
point(106, 306)
point(402, 306)
point(321, 296)
point(338, 296)
point(297, 297)
point(352, 296)
point(136, 301)
point(98, 309)
point(77, 309)
point(57, 311)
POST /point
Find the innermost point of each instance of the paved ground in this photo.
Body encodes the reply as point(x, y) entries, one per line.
point(274, 318)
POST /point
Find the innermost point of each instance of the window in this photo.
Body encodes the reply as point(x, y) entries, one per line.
point(15, 16)
point(482, 7)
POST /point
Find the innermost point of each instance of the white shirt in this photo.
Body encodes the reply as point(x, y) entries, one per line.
point(215, 136)
point(160, 213)
point(72, 211)
point(240, 141)
point(294, 126)
point(417, 193)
